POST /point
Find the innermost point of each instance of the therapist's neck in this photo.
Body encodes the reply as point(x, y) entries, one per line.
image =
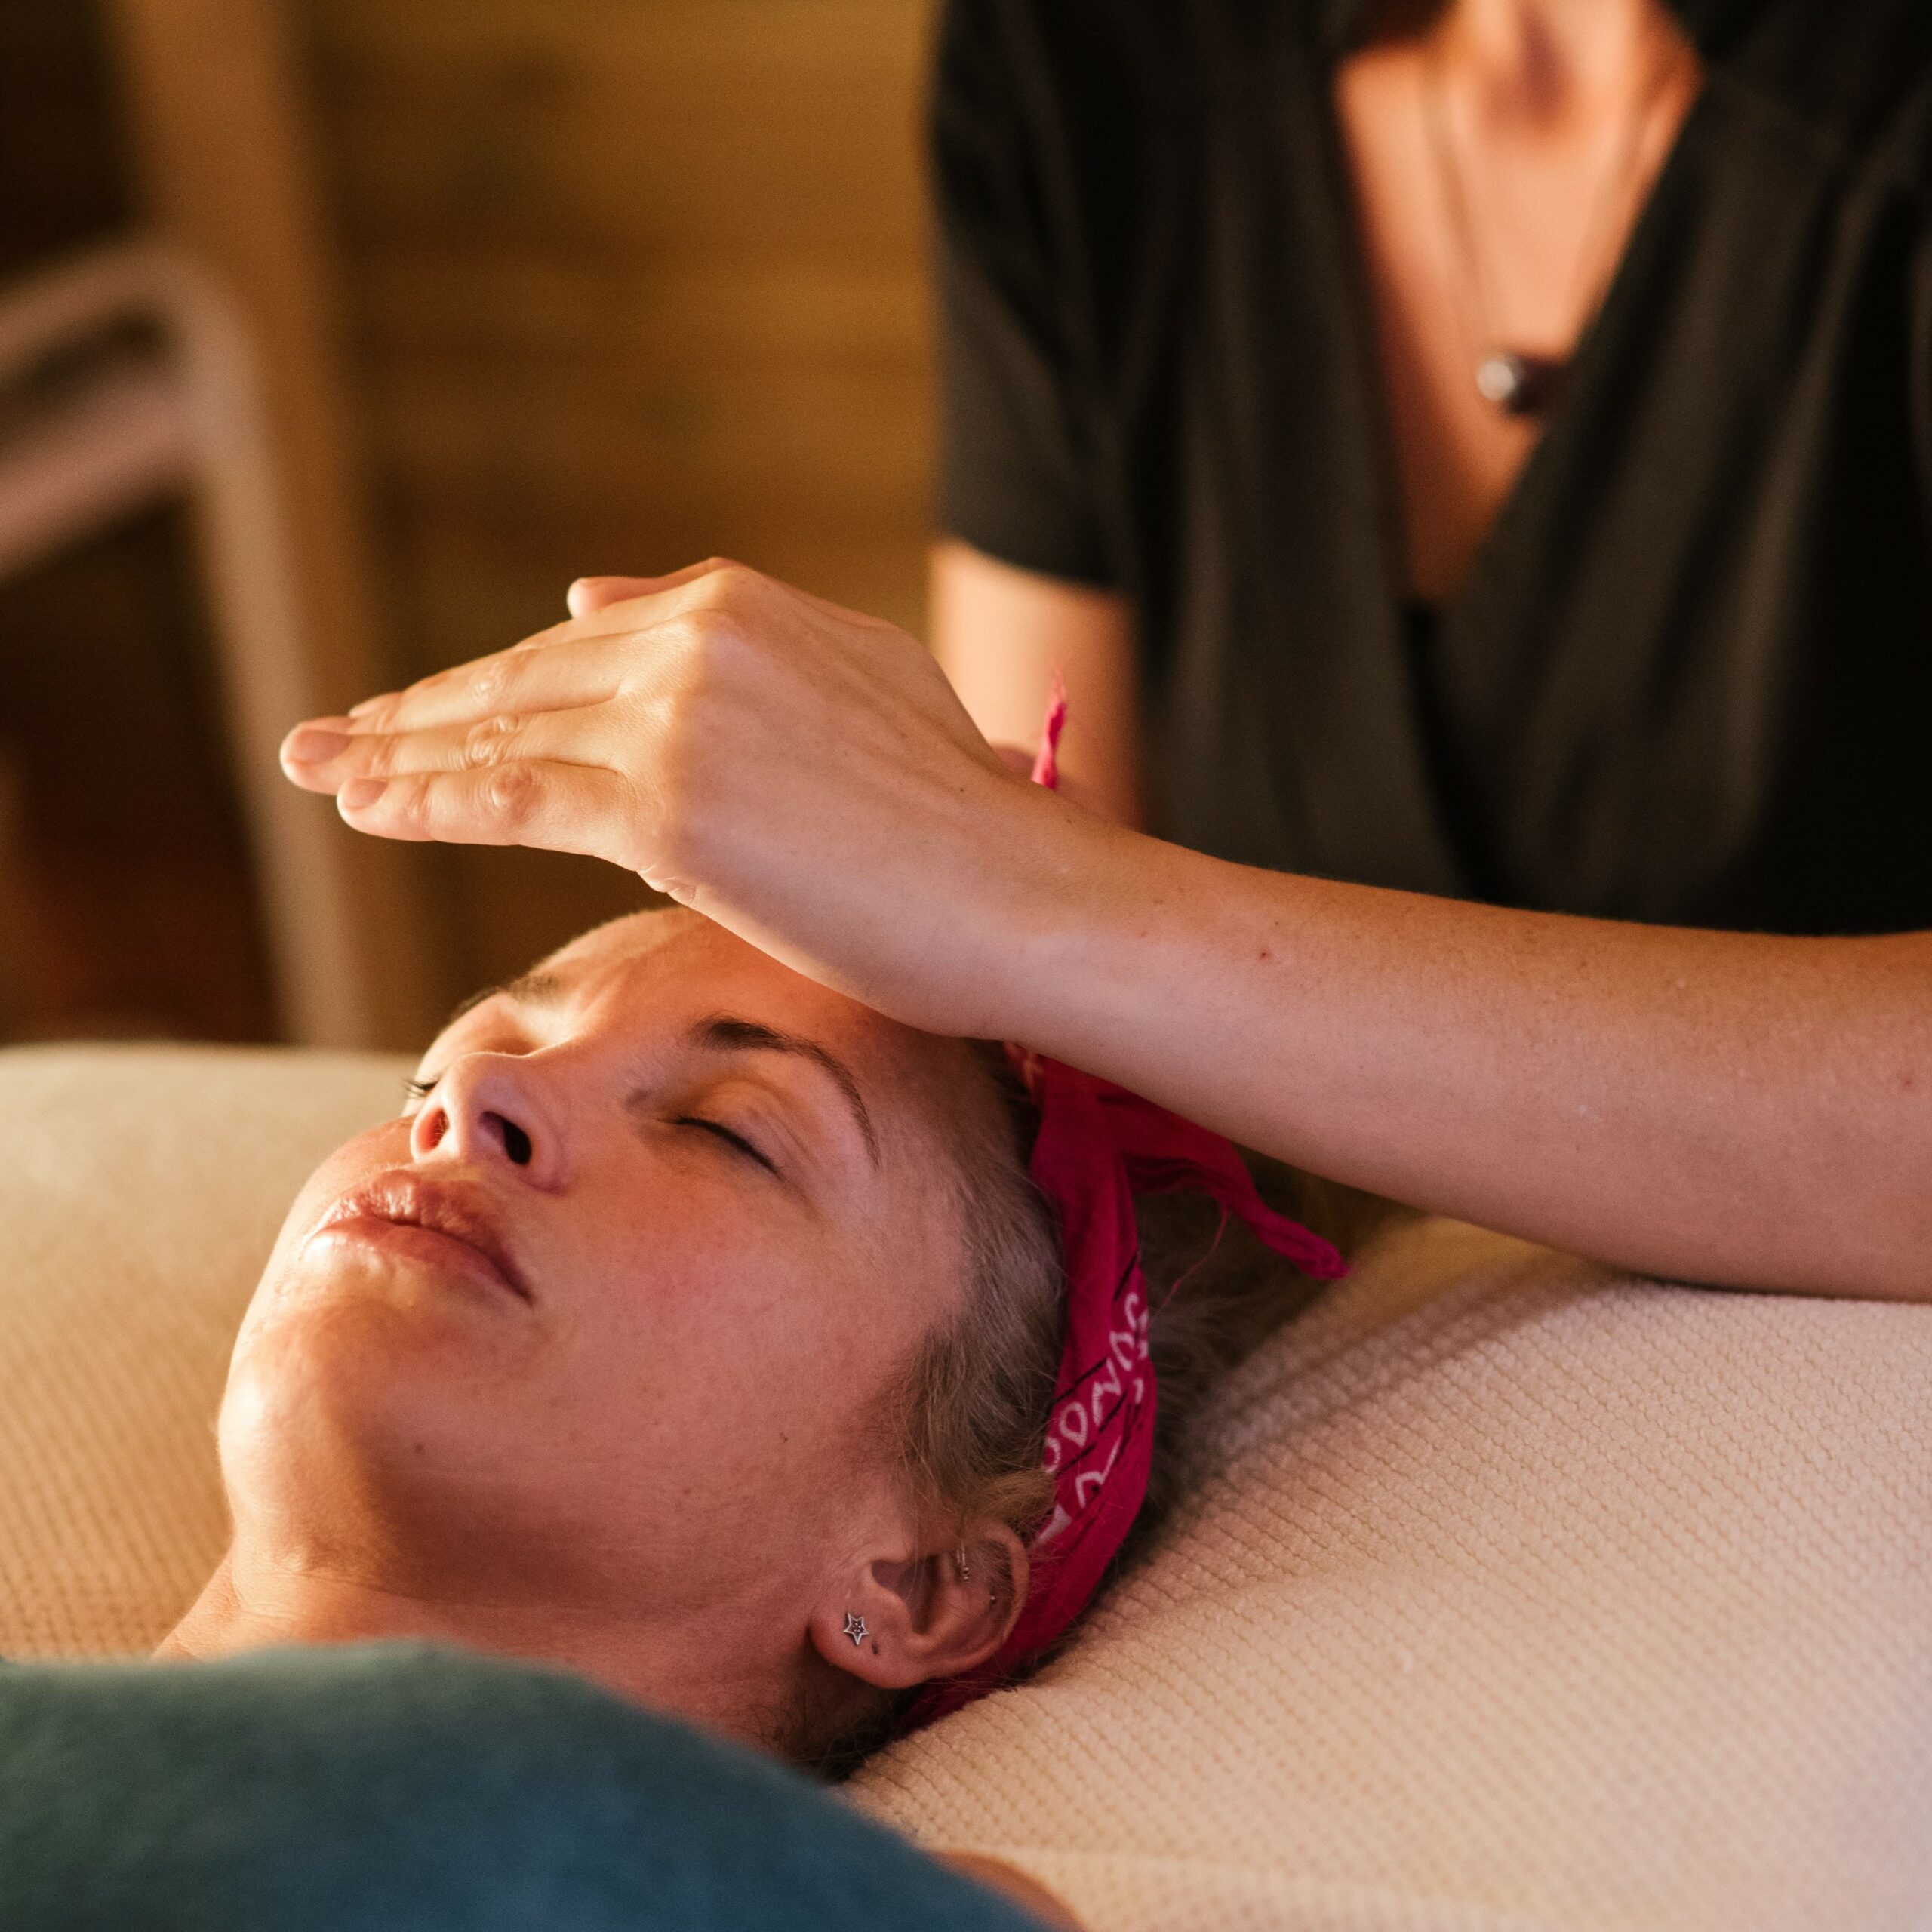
point(1547, 60)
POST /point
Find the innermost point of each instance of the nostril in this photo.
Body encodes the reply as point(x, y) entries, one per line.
point(516, 1142)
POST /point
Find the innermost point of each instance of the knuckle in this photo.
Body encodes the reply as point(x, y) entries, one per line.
point(379, 757)
point(408, 802)
point(688, 721)
point(510, 795)
point(716, 637)
point(488, 741)
point(724, 582)
point(489, 681)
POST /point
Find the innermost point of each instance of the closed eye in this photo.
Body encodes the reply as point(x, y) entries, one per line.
point(736, 1140)
point(417, 1091)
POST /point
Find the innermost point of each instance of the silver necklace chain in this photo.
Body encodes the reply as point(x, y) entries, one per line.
point(1518, 383)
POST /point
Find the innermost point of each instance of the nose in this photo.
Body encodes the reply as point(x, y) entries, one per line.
point(486, 1110)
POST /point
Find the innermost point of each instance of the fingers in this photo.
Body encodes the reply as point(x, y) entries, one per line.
point(565, 666)
point(557, 807)
point(570, 663)
point(328, 754)
point(566, 675)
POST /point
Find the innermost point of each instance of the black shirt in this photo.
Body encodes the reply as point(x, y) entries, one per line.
point(1689, 677)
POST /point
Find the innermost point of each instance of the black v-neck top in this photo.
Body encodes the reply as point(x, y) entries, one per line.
point(1689, 679)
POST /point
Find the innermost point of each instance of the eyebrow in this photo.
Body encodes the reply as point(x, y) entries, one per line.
point(731, 1035)
point(532, 988)
point(724, 1032)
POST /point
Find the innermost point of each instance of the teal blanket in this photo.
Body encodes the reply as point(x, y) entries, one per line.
point(411, 1788)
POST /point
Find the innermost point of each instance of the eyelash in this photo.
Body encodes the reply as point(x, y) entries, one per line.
point(735, 1140)
point(418, 1091)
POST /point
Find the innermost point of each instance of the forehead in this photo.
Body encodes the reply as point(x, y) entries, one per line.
point(635, 973)
point(642, 979)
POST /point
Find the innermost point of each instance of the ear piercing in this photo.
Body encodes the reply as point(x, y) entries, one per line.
point(855, 1624)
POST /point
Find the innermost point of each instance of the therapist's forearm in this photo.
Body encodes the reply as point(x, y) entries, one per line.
point(1708, 1106)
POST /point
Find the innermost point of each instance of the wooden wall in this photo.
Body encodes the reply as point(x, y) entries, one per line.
point(629, 282)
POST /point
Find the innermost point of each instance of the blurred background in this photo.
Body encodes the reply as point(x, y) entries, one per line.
point(337, 336)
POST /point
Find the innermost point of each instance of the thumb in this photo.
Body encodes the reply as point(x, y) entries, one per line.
point(589, 594)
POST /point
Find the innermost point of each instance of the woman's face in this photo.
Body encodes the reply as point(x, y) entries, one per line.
point(607, 1315)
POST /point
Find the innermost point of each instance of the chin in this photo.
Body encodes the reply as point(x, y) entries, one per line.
point(363, 1407)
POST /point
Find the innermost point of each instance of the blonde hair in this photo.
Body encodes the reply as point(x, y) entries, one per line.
point(968, 1418)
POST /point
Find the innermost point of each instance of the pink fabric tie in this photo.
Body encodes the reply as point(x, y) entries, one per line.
point(1098, 1147)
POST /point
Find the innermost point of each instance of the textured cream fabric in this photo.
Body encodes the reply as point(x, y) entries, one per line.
point(140, 1190)
point(1510, 1596)
point(1513, 1596)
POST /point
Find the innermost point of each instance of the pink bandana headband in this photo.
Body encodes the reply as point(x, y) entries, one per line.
point(1098, 1147)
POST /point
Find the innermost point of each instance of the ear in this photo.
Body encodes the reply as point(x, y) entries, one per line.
point(897, 1620)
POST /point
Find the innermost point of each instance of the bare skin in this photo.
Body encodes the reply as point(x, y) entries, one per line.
point(575, 1360)
point(1002, 634)
point(1718, 1108)
point(585, 1378)
point(1541, 96)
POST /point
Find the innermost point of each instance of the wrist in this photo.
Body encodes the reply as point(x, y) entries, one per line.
point(1065, 878)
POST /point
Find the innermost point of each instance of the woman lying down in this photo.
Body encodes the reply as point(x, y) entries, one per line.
point(701, 1332)
point(697, 1329)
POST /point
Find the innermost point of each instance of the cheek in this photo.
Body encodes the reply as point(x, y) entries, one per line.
point(723, 1355)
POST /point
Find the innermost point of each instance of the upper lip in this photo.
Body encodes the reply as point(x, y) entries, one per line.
point(444, 1208)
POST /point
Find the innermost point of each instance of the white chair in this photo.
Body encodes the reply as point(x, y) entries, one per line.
point(164, 404)
point(228, 386)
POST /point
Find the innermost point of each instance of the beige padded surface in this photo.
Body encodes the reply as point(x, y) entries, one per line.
point(1556, 1601)
point(140, 1190)
point(1512, 1596)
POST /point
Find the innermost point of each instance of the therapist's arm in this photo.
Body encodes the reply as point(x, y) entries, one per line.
point(1001, 633)
point(1715, 1107)
point(1723, 1108)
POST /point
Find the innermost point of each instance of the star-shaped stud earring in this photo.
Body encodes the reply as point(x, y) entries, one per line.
point(855, 1628)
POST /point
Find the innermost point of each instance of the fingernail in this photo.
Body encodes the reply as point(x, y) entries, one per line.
point(311, 744)
point(360, 792)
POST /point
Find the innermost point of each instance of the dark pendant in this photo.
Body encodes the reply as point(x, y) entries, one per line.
point(1519, 385)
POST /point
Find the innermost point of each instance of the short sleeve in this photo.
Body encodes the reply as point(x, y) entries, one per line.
point(1019, 477)
point(1920, 373)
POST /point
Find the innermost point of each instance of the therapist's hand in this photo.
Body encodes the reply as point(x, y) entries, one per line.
point(803, 775)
